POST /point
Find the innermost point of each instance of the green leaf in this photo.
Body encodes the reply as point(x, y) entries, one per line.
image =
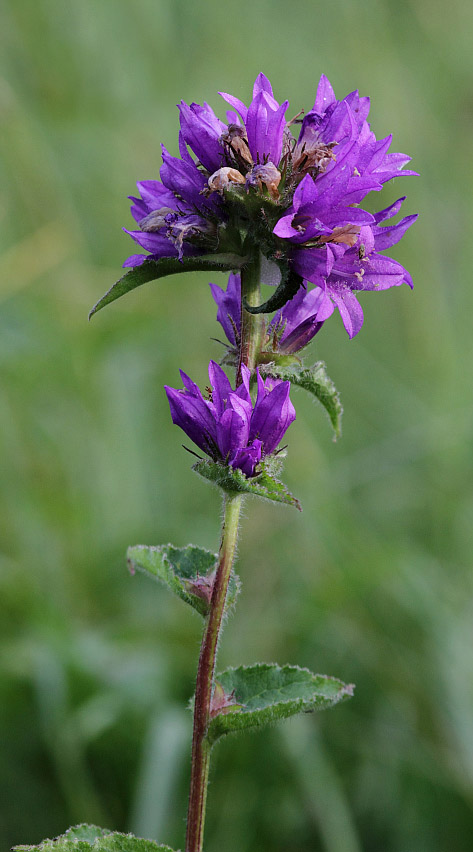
point(151, 270)
point(85, 838)
point(187, 571)
point(268, 692)
point(86, 832)
point(316, 381)
point(235, 482)
point(286, 289)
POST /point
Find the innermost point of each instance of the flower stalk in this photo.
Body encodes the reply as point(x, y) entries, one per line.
point(204, 685)
point(251, 341)
point(252, 325)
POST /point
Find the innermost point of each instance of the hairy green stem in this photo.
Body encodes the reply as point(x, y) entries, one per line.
point(252, 325)
point(204, 685)
point(251, 339)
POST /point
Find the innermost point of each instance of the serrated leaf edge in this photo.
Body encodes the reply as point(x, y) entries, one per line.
point(291, 374)
point(197, 603)
point(286, 667)
point(346, 691)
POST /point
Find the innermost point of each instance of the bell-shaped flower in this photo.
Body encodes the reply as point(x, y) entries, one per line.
point(297, 323)
point(291, 328)
point(362, 267)
point(229, 307)
point(226, 425)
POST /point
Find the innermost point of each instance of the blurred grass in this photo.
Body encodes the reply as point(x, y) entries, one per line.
point(372, 583)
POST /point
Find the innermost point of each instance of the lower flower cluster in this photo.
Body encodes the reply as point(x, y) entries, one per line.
point(226, 424)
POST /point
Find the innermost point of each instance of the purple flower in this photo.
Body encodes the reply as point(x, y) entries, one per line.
point(294, 325)
point(229, 307)
point(362, 267)
point(348, 269)
point(336, 133)
point(291, 328)
point(226, 425)
point(174, 216)
point(202, 131)
point(263, 120)
point(300, 197)
point(352, 263)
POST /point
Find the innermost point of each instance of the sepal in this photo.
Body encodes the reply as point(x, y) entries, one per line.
point(265, 692)
point(316, 381)
point(234, 481)
point(189, 572)
point(91, 838)
point(151, 270)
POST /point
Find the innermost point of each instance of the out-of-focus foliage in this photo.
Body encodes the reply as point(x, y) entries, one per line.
point(372, 583)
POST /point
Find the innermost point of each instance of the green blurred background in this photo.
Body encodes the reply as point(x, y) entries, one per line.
point(372, 583)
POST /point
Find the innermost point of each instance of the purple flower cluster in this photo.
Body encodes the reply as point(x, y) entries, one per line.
point(249, 188)
point(310, 188)
point(227, 425)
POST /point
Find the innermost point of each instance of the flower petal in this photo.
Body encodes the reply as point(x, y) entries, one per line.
point(193, 416)
point(265, 128)
point(201, 129)
point(229, 306)
point(247, 459)
point(386, 237)
point(221, 387)
point(262, 84)
point(238, 105)
point(232, 433)
point(325, 95)
point(157, 243)
point(350, 309)
point(273, 413)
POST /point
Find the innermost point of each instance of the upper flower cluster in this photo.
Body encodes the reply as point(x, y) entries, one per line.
point(249, 182)
point(226, 425)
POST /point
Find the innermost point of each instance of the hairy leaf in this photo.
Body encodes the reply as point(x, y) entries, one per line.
point(91, 838)
point(235, 481)
point(268, 692)
point(151, 270)
point(187, 571)
point(316, 381)
point(286, 289)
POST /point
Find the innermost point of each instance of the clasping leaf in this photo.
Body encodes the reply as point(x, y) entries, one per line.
point(266, 692)
point(188, 571)
point(234, 481)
